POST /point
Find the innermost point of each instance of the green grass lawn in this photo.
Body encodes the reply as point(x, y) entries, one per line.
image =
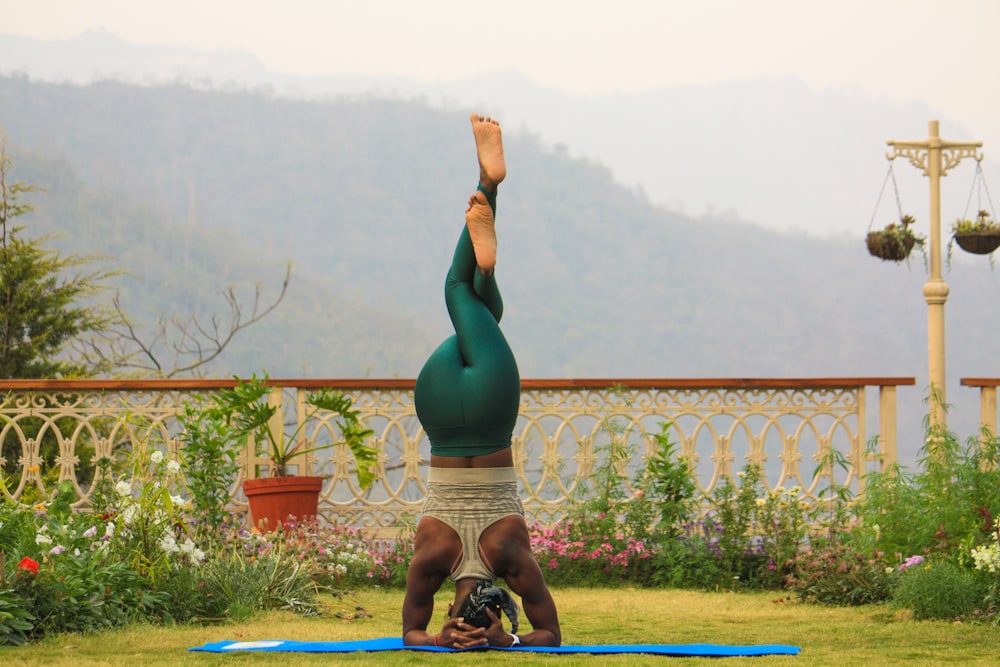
point(837, 637)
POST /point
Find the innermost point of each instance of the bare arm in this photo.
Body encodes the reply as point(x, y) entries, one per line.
point(433, 551)
point(509, 546)
point(538, 606)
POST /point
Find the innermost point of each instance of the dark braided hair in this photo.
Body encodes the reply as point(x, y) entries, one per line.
point(487, 596)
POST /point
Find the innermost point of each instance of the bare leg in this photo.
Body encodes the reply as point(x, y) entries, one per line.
point(489, 150)
point(482, 231)
point(492, 172)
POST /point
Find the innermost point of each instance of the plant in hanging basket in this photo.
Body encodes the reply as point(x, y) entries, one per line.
point(895, 242)
point(980, 236)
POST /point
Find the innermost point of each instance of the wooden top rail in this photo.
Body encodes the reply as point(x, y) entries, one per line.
point(980, 382)
point(398, 383)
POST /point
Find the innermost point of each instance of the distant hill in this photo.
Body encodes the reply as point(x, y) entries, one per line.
point(772, 152)
point(193, 189)
point(178, 269)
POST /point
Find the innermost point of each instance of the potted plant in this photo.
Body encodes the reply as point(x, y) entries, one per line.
point(980, 236)
point(895, 242)
point(246, 410)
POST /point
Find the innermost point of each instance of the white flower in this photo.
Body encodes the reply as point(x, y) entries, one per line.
point(173, 466)
point(42, 538)
point(109, 530)
point(128, 514)
point(169, 544)
point(187, 546)
point(176, 500)
point(156, 456)
point(90, 532)
point(123, 488)
point(987, 557)
point(56, 550)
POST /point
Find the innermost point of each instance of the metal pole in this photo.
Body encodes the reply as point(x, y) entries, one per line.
point(935, 289)
point(935, 157)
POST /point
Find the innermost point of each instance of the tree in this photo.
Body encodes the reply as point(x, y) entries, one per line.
point(182, 345)
point(44, 297)
point(50, 325)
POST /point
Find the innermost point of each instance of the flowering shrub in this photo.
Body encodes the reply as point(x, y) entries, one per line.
point(986, 557)
point(749, 537)
point(210, 461)
point(649, 536)
point(929, 542)
point(143, 513)
point(73, 579)
point(944, 508)
point(912, 561)
point(338, 556)
point(573, 554)
point(617, 528)
point(834, 571)
point(942, 590)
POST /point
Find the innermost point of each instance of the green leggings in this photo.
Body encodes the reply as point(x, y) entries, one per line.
point(469, 391)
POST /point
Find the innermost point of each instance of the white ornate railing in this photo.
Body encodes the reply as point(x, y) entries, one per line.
point(787, 426)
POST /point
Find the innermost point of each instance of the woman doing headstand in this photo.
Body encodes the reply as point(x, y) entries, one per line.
point(472, 528)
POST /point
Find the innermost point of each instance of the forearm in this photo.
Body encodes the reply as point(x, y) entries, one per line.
point(540, 637)
point(418, 637)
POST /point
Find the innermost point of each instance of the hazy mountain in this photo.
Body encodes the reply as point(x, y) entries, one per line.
point(365, 195)
point(771, 152)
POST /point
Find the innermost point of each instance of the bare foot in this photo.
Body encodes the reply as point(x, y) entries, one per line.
point(479, 218)
point(489, 150)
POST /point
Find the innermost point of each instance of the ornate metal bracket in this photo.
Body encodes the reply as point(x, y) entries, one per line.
point(917, 153)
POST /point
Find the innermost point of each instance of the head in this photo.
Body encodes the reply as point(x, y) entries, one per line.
point(472, 607)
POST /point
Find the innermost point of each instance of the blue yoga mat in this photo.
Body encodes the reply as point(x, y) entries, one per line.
point(396, 644)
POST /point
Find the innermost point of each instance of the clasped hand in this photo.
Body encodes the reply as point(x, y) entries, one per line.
point(456, 633)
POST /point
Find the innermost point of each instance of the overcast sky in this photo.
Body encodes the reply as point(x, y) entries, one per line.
point(943, 52)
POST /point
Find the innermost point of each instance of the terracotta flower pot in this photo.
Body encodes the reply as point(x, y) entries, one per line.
point(273, 499)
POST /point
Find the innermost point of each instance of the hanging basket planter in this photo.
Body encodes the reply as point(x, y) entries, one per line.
point(980, 236)
point(978, 243)
point(895, 242)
